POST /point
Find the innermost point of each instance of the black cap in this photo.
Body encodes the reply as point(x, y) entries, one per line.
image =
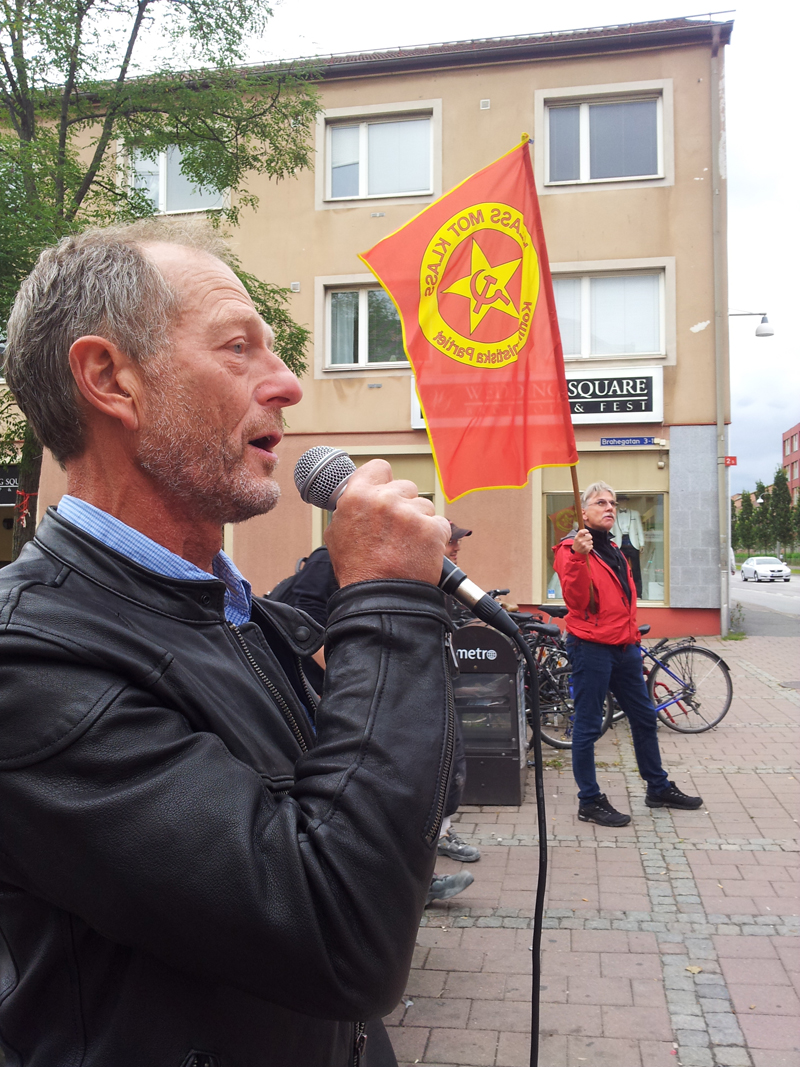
point(457, 532)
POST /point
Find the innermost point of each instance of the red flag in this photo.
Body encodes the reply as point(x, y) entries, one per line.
point(471, 281)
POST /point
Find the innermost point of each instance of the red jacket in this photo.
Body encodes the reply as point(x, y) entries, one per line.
point(614, 620)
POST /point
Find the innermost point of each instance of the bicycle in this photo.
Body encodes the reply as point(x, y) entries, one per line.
point(692, 680)
point(690, 687)
point(556, 703)
point(698, 684)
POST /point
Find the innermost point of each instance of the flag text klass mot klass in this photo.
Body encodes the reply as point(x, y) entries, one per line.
point(470, 278)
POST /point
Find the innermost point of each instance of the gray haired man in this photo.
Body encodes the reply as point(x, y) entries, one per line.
point(603, 647)
point(201, 867)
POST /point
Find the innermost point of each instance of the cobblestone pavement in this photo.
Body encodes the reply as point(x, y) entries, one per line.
point(670, 941)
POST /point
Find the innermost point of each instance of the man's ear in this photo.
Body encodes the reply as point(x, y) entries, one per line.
point(107, 379)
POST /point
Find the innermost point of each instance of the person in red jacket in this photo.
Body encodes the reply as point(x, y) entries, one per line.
point(603, 647)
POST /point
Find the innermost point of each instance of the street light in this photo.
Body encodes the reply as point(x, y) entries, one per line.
point(763, 329)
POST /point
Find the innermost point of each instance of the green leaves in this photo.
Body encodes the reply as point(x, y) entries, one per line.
point(228, 123)
point(75, 100)
point(762, 520)
point(85, 82)
point(745, 525)
point(782, 509)
point(12, 429)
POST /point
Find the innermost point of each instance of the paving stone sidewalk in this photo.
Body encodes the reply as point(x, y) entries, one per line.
point(673, 940)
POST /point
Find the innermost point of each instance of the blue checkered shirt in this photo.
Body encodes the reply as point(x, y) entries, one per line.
point(129, 542)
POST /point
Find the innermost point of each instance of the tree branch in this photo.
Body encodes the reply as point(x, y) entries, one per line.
point(18, 100)
point(66, 95)
point(113, 111)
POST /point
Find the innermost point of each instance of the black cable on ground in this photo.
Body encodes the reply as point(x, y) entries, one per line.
point(538, 778)
point(486, 608)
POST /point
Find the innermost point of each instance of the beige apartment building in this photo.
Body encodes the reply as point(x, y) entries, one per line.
point(628, 150)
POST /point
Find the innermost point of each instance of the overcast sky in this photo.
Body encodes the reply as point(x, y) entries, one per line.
point(762, 204)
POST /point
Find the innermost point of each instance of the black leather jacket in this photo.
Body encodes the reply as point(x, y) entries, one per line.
point(184, 866)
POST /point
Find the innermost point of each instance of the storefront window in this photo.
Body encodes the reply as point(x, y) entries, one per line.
point(639, 532)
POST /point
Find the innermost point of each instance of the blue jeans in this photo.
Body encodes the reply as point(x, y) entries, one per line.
point(597, 668)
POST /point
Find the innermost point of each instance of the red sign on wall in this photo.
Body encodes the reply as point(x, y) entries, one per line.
point(730, 461)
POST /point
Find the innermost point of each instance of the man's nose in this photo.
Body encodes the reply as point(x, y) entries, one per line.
point(279, 385)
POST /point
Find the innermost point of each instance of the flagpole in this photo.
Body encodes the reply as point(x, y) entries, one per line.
point(581, 526)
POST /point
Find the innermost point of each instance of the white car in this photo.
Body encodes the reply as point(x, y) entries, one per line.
point(765, 569)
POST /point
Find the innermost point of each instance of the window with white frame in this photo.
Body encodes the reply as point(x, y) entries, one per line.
point(163, 182)
point(604, 315)
point(604, 140)
point(363, 329)
point(380, 157)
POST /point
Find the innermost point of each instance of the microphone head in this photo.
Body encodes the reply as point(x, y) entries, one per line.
point(321, 474)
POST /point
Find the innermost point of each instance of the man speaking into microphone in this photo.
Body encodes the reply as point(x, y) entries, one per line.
point(199, 866)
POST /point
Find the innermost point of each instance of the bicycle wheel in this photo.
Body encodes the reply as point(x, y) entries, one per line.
point(690, 688)
point(556, 706)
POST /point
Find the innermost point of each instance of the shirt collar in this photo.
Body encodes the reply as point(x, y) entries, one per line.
point(115, 534)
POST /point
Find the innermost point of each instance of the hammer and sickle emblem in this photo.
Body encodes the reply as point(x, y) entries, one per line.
point(482, 298)
point(485, 287)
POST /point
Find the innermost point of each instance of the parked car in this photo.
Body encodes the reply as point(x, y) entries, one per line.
point(765, 569)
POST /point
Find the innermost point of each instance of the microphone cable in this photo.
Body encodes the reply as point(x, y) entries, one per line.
point(455, 582)
point(541, 822)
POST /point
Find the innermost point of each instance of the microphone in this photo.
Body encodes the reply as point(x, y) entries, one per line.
point(321, 476)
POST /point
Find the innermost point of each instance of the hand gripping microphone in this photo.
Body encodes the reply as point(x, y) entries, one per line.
point(321, 476)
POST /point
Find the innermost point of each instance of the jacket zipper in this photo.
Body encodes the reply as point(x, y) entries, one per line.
point(309, 692)
point(271, 688)
point(433, 832)
point(623, 599)
point(360, 1042)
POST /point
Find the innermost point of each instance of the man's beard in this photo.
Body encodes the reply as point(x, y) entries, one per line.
point(193, 460)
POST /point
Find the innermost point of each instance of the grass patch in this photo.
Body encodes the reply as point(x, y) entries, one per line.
point(735, 635)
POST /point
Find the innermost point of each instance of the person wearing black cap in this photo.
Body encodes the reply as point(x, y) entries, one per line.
point(459, 613)
point(450, 844)
point(454, 544)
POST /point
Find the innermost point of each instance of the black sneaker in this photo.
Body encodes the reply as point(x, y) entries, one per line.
point(601, 812)
point(444, 886)
point(672, 797)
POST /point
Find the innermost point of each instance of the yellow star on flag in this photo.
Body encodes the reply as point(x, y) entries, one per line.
point(485, 286)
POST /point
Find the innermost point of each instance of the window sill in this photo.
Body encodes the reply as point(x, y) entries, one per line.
point(360, 368)
point(560, 603)
point(190, 211)
point(606, 181)
point(628, 357)
point(380, 200)
point(370, 197)
point(654, 181)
